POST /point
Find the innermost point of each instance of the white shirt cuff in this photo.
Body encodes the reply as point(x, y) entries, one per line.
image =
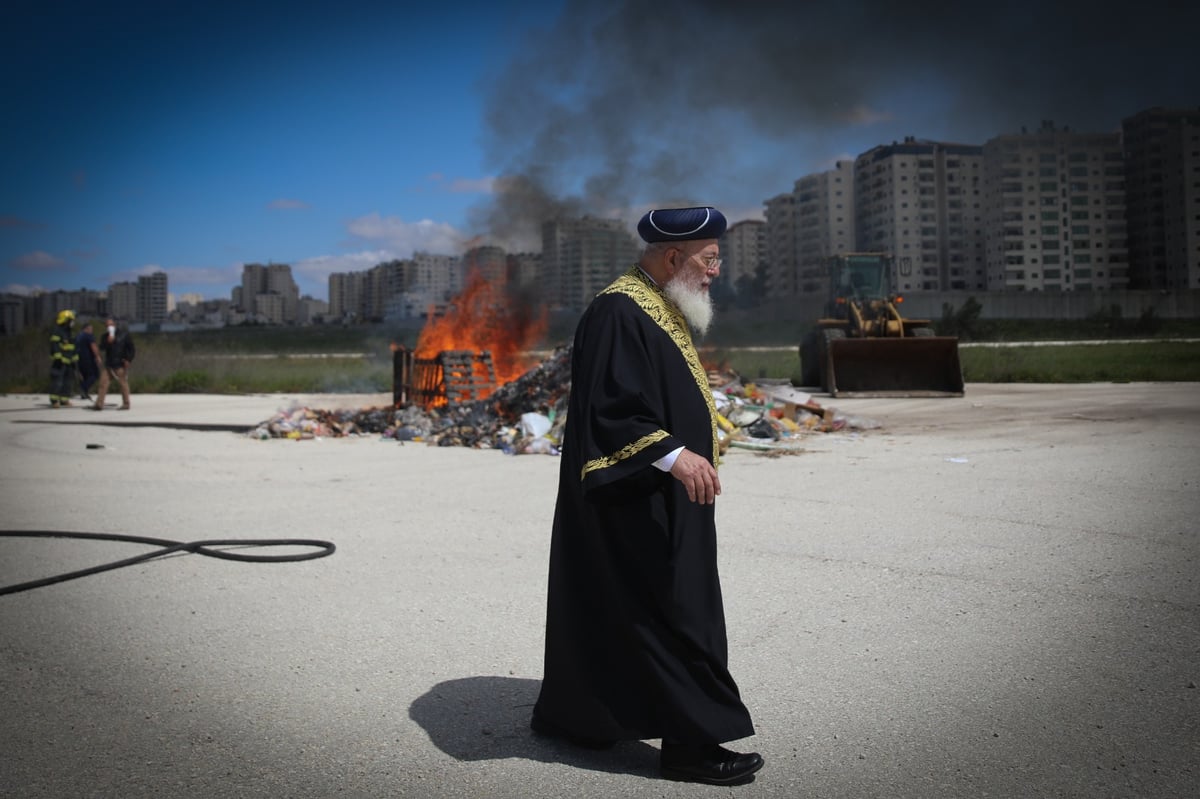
point(667, 461)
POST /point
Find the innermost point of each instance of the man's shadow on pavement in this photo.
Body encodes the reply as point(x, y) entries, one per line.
point(487, 718)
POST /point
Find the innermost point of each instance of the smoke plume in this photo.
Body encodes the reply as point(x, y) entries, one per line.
point(614, 107)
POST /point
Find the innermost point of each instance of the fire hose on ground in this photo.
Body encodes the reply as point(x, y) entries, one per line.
point(167, 547)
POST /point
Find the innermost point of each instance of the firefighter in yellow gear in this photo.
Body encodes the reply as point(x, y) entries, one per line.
point(64, 361)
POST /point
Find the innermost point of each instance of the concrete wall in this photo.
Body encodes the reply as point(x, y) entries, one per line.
point(1065, 305)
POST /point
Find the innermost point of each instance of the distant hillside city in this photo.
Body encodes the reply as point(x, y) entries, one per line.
point(1050, 211)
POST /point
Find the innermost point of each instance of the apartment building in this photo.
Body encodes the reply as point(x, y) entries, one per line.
point(526, 269)
point(1162, 187)
point(922, 201)
point(489, 261)
point(782, 246)
point(1055, 211)
point(581, 257)
point(743, 250)
point(152, 298)
point(123, 301)
point(273, 279)
point(345, 294)
point(439, 275)
point(825, 223)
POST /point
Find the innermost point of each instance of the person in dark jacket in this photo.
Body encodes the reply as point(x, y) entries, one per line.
point(89, 360)
point(117, 346)
point(63, 359)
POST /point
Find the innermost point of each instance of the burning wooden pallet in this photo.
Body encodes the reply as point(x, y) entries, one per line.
point(452, 377)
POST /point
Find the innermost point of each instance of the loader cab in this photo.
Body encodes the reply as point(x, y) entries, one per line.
point(863, 277)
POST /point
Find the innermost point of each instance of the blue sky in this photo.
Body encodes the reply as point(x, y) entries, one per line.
point(195, 137)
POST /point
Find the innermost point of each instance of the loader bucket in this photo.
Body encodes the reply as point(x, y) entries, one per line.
point(894, 367)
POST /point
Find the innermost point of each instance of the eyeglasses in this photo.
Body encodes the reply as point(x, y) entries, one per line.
point(710, 262)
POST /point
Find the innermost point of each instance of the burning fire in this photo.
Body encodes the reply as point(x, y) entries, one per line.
point(483, 317)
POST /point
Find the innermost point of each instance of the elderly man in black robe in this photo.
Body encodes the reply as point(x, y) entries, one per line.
point(635, 626)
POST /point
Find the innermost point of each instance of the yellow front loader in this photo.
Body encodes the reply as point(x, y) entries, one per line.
point(864, 346)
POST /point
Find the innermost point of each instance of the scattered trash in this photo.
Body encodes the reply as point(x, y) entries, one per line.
point(957, 460)
point(527, 416)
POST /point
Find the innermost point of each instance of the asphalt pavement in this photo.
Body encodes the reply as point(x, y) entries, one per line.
point(987, 596)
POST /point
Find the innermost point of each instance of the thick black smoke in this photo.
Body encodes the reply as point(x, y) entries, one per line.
point(616, 105)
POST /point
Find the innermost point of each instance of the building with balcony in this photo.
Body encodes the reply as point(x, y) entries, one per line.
point(782, 256)
point(825, 224)
point(1055, 211)
point(123, 301)
point(580, 257)
point(921, 201)
point(744, 251)
point(1162, 180)
point(152, 298)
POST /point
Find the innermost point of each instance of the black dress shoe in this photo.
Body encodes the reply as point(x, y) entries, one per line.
point(543, 727)
point(712, 765)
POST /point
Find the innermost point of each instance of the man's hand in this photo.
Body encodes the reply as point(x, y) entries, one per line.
point(698, 477)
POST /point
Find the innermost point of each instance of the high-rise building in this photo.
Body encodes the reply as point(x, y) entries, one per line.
point(489, 261)
point(744, 251)
point(440, 276)
point(254, 282)
point(1055, 211)
point(1162, 180)
point(280, 281)
point(783, 253)
point(345, 295)
point(152, 298)
point(825, 222)
point(273, 279)
point(384, 283)
point(580, 257)
point(123, 301)
point(921, 201)
point(525, 269)
point(12, 314)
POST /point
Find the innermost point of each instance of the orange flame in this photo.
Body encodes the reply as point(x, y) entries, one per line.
point(482, 318)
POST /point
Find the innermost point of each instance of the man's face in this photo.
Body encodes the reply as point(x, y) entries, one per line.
point(697, 264)
point(695, 267)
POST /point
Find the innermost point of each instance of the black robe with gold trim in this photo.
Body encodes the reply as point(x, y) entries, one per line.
point(635, 625)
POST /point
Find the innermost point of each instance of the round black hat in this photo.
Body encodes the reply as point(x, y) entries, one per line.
point(681, 224)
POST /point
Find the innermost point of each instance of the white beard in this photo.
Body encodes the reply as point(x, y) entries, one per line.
point(694, 303)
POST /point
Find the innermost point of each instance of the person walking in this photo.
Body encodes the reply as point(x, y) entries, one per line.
point(119, 350)
point(636, 644)
point(63, 360)
point(89, 360)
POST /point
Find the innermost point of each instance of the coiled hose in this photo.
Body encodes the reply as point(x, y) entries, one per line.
point(166, 547)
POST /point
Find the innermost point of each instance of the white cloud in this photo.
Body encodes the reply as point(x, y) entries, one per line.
point(21, 288)
point(184, 275)
point(314, 272)
point(202, 275)
point(405, 238)
point(40, 261)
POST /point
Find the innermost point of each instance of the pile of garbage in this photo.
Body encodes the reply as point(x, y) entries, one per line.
point(772, 415)
point(527, 415)
point(523, 415)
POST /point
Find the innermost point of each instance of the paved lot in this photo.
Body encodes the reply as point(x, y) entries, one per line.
point(988, 596)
